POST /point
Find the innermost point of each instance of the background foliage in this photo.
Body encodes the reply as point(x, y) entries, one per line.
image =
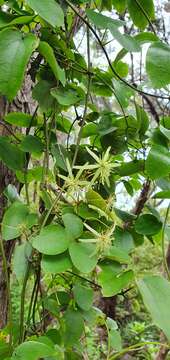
point(84, 232)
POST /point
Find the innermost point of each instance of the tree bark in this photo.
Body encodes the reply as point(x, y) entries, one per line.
point(23, 103)
point(6, 177)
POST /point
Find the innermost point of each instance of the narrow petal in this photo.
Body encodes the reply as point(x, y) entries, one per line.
point(93, 154)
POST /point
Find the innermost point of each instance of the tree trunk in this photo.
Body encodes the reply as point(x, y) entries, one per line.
point(6, 177)
point(23, 103)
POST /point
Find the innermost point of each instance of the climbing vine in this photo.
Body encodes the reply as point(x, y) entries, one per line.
point(94, 131)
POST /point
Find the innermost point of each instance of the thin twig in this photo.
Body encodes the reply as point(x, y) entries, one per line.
point(85, 279)
point(108, 59)
point(22, 307)
point(136, 347)
point(86, 99)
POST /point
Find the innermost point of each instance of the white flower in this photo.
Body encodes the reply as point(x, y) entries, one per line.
point(102, 240)
point(73, 184)
point(103, 167)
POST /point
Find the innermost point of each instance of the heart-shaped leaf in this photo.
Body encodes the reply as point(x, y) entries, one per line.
point(155, 291)
point(73, 225)
point(82, 256)
point(158, 162)
point(52, 240)
point(56, 264)
point(50, 11)
point(15, 51)
point(157, 64)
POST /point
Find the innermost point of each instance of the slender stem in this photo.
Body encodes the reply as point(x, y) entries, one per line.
point(137, 347)
point(26, 187)
point(46, 152)
point(107, 56)
point(85, 279)
point(5, 265)
point(86, 99)
point(10, 131)
point(50, 210)
point(35, 299)
point(163, 244)
point(22, 307)
point(31, 302)
point(47, 147)
point(108, 342)
point(32, 119)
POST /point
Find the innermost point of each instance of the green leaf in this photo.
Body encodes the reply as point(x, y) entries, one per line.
point(34, 174)
point(32, 350)
point(7, 19)
point(5, 350)
point(82, 256)
point(60, 154)
point(119, 5)
point(111, 281)
point(121, 68)
point(95, 199)
point(136, 13)
point(163, 184)
point(74, 326)
point(73, 225)
point(85, 212)
point(11, 155)
point(165, 122)
point(102, 21)
point(124, 215)
point(130, 168)
point(20, 260)
point(155, 291)
point(51, 305)
point(11, 193)
point(83, 296)
point(142, 118)
point(47, 52)
point(123, 93)
point(52, 240)
point(89, 130)
point(63, 124)
point(162, 195)
point(15, 51)
point(148, 224)
point(68, 96)
point(115, 340)
point(50, 11)
point(157, 64)
point(128, 187)
point(146, 37)
point(123, 239)
point(158, 162)
point(20, 119)
point(41, 93)
point(31, 144)
point(126, 41)
point(106, 5)
point(117, 254)
point(165, 131)
point(114, 337)
point(14, 220)
point(56, 264)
